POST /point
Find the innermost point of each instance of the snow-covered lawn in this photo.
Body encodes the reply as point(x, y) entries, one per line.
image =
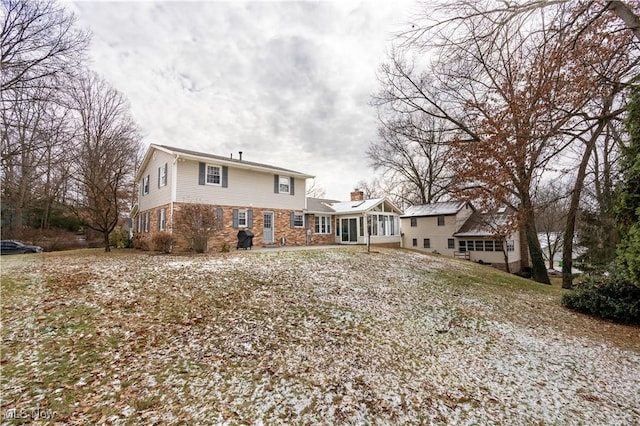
point(337, 336)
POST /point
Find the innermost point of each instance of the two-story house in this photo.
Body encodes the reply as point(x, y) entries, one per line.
point(269, 201)
point(457, 229)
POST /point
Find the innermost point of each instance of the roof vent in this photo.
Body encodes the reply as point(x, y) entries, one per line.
point(240, 153)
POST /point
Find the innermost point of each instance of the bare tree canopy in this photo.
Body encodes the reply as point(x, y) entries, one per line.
point(106, 148)
point(38, 41)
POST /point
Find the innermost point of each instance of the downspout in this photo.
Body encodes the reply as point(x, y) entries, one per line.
point(174, 185)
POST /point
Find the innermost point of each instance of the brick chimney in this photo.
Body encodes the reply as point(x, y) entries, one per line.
point(357, 195)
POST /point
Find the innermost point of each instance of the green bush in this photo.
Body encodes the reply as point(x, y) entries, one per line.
point(162, 241)
point(225, 247)
point(120, 238)
point(609, 296)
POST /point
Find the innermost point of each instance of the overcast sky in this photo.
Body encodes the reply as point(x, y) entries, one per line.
point(287, 83)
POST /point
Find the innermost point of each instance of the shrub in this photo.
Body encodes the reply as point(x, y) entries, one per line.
point(162, 241)
point(199, 244)
point(120, 238)
point(225, 247)
point(609, 296)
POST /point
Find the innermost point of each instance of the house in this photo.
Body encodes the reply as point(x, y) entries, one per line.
point(358, 221)
point(269, 201)
point(457, 229)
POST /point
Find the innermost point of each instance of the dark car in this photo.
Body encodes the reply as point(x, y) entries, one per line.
point(16, 247)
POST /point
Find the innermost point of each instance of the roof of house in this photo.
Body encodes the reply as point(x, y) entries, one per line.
point(319, 205)
point(435, 209)
point(235, 162)
point(486, 223)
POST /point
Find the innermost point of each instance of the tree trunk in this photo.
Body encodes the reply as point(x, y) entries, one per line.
point(107, 245)
point(538, 267)
point(624, 12)
point(506, 257)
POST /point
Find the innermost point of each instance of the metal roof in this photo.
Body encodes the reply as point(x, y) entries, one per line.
point(485, 223)
point(435, 209)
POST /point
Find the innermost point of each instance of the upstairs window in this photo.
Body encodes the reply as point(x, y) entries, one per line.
point(162, 175)
point(283, 185)
point(213, 175)
point(145, 185)
point(441, 220)
point(414, 221)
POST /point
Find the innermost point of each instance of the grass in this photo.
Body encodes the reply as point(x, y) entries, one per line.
point(327, 336)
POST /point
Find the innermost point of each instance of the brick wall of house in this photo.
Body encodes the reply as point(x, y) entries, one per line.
point(282, 223)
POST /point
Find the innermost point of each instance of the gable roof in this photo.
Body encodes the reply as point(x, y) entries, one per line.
point(228, 161)
point(436, 209)
point(319, 205)
point(484, 224)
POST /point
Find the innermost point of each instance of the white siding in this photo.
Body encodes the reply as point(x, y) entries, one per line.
point(156, 196)
point(245, 188)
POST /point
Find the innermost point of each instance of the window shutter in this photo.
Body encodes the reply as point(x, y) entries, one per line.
point(235, 218)
point(158, 213)
point(293, 218)
point(276, 184)
point(202, 170)
point(306, 221)
point(166, 176)
point(225, 176)
point(291, 186)
point(159, 176)
point(249, 218)
point(220, 218)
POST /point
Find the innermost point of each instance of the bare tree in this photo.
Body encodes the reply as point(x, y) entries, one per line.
point(38, 42)
point(551, 217)
point(106, 148)
point(315, 190)
point(412, 149)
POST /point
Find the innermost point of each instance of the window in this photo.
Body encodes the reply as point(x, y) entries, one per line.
point(283, 185)
point(470, 245)
point(441, 220)
point(479, 245)
point(511, 245)
point(322, 224)
point(213, 175)
point(146, 222)
point(162, 219)
point(242, 218)
point(426, 243)
point(162, 175)
point(145, 185)
point(462, 246)
point(139, 227)
point(414, 221)
point(298, 219)
point(374, 225)
point(451, 244)
point(488, 245)
point(414, 242)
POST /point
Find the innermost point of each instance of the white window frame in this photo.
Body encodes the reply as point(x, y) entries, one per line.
point(511, 245)
point(213, 175)
point(298, 220)
point(162, 170)
point(243, 218)
point(322, 224)
point(284, 185)
point(162, 220)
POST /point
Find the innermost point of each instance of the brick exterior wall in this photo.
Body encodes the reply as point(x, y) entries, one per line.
point(282, 223)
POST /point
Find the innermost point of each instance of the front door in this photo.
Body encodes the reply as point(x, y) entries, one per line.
point(267, 228)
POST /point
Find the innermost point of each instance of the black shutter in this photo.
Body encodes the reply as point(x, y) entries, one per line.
point(292, 186)
point(235, 218)
point(225, 176)
point(276, 184)
point(166, 176)
point(159, 176)
point(249, 218)
point(158, 213)
point(219, 218)
point(202, 173)
point(306, 221)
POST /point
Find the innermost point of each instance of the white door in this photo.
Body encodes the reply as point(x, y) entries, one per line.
point(267, 227)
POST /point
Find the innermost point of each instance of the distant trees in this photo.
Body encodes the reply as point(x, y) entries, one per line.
point(518, 87)
point(53, 126)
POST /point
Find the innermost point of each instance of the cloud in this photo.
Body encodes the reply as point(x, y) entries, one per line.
point(288, 83)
